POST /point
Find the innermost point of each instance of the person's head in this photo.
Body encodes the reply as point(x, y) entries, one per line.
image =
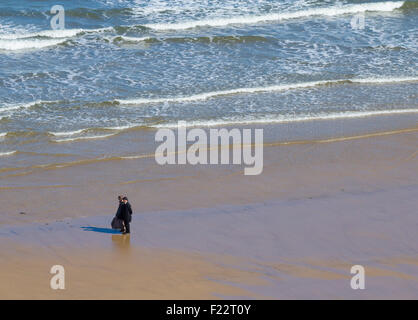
point(125, 199)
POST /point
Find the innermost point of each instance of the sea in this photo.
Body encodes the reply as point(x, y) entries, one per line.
point(93, 70)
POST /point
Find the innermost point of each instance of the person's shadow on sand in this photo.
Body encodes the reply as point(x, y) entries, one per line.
point(101, 230)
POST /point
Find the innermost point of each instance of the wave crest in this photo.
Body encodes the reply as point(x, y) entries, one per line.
point(386, 6)
point(65, 33)
point(10, 107)
point(13, 45)
point(93, 137)
point(7, 153)
point(208, 95)
point(287, 118)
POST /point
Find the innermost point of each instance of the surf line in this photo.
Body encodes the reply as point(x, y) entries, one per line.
point(281, 143)
point(152, 155)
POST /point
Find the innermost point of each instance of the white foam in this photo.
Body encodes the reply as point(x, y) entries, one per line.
point(208, 95)
point(76, 132)
point(134, 39)
point(65, 33)
point(84, 138)
point(120, 128)
point(56, 34)
point(386, 80)
point(11, 107)
point(22, 44)
point(66, 133)
point(386, 6)
point(73, 133)
point(287, 118)
point(3, 134)
point(9, 153)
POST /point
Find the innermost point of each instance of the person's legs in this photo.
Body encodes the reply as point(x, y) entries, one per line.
point(127, 227)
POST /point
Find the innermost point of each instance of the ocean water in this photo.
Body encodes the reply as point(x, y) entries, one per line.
point(126, 64)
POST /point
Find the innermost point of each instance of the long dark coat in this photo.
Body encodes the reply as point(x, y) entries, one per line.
point(125, 212)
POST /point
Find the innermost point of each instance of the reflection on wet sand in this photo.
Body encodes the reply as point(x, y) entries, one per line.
point(121, 243)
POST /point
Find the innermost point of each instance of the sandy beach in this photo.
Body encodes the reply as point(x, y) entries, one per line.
point(325, 201)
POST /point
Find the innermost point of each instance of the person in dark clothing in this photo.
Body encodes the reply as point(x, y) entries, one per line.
point(117, 222)
point(126, 215)
point(129, 209)
point(120, 204)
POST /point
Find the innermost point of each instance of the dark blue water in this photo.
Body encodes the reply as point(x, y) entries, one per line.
point(123, 64)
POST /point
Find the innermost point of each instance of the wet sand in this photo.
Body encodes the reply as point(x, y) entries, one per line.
point(320, 206)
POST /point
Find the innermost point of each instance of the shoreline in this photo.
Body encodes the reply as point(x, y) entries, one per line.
point(61, 155)
point(56, 166)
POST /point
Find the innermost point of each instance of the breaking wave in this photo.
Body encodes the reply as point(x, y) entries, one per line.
point(386, 6)
point(208, 95)
point(286, 118)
